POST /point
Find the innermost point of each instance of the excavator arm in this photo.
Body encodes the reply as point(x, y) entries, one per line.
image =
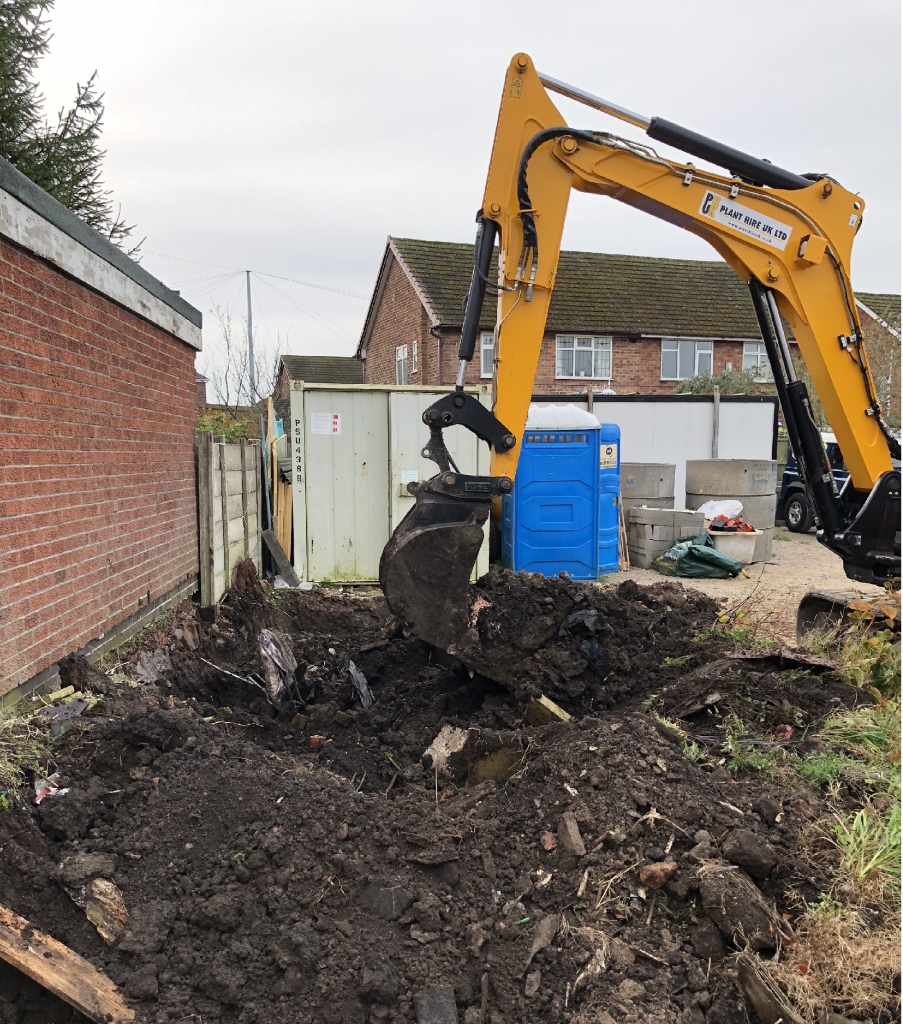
point(788, 236)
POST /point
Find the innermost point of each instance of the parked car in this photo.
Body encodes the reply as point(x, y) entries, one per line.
point(793, 502)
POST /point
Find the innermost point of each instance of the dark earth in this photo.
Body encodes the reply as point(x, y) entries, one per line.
point(309, 862)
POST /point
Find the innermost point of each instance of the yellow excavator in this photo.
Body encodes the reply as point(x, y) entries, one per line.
point(788, 236)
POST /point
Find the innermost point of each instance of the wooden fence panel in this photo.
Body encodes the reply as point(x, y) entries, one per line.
point(228, 511)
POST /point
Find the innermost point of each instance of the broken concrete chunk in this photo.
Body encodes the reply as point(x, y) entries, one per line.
point(750, 852)
point(105, 909)
point(450, 741)
point(546, 929)
point(569, 835)
point(541, 711)
point(436, 1006)
point(152, 666)
point(654, 876)
point(733, 902)
point(703, 853)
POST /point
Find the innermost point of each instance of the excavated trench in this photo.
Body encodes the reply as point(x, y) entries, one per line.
point(311, 861)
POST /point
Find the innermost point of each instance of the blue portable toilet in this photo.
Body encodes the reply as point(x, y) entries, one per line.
point(551, 519)
point(609, 493)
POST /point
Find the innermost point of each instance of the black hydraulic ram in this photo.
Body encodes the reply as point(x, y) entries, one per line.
point(750, 168)
point(482, 263)
point(805, 438)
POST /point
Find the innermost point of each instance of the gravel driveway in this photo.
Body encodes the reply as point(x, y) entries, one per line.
point(774, 588)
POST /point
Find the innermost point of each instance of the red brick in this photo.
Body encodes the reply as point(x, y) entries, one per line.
point(97, 481)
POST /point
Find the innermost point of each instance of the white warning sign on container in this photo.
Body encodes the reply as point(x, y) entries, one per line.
point(608, 456)
point(745, 220)
point(326, 423)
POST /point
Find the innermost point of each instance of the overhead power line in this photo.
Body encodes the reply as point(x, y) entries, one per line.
point(262, 273)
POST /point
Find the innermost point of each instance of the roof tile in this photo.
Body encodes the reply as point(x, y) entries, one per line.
point(607, 293)
point(324, 369)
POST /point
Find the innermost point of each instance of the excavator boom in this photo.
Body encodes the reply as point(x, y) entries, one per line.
point(788, 236)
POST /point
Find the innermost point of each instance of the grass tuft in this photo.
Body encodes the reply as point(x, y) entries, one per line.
point(23, 750)
point(869, 843)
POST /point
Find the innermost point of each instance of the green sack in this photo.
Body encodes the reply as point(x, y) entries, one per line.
point(697, 558)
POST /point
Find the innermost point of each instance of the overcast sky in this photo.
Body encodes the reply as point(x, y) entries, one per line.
point(292, 138)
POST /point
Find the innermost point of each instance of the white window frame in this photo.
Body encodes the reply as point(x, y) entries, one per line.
point(702, 346)
point(401, 364)
point(756, 358)
point(487, 355)
point(413, 357)
point(574, 343)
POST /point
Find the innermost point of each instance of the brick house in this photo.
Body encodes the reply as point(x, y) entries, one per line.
point(634, 324)
point(314, 370)
point(98, 401)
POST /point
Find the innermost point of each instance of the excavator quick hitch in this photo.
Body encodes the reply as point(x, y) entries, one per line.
point(425, 568)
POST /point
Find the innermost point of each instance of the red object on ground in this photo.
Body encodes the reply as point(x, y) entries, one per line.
point(734, 525)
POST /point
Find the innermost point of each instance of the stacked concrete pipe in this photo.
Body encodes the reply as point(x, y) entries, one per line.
point(751, 481)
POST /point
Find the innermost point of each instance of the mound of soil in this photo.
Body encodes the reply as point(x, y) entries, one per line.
point(308, 862)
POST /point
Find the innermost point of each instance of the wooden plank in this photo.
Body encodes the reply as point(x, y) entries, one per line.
point(60, 970)
point(285, 566)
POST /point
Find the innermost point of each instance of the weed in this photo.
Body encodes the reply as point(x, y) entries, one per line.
point(23, 749)
point(677, 662)
point(781, 536)
point(744, 636)
point(744, 751)
point(869, 843)
point(825, 906)
point(863, 747)
point(869, 657)
point(871, 733)
point(690, 748)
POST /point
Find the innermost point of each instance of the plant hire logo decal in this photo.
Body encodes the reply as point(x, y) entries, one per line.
point(745, 220)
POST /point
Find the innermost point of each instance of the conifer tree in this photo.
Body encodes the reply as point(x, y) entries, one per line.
point(65, 159)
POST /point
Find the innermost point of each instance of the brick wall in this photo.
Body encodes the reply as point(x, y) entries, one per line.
point(97, 478)
point(400, 320)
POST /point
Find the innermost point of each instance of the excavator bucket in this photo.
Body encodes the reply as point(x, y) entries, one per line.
point(426, 566)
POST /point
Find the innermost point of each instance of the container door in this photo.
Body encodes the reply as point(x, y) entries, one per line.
point(346, 483)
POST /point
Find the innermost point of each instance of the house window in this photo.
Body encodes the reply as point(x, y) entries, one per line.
point(582, 357)
point(487, 354)
point(401, 364)
point(756, 358)
point(413, 357)
point(683, 358)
